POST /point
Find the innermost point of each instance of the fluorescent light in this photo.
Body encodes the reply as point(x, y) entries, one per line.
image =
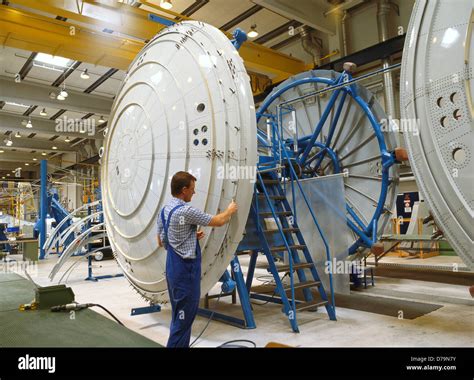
point(43, 112)
point(17, 104)
point(35, 159)
point(29, 124)
point(43, 153)
point(27, 164)
point(52, 60)
point(85, 74)
point(166, 4)
point(55, 147)
point(47, 67)
point(2, 151)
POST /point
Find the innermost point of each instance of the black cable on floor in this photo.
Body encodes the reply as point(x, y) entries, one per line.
point(229, 345)
point(103, 308)
point(272, 296)
point(208, 322)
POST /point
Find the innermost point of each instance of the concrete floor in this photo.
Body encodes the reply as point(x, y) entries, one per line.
point(451, 325)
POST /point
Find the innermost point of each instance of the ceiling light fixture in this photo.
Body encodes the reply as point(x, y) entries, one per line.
point(60, 97)
point(166, 4)
point(85, 74)
point(2, 151)
point(55, 147)
point(43, 112)
point(43, 153)
point(253, 31)
point(29, 124)
point(17, 135)
point(101, 120)
point(8, 141)
point(67, 139)
point(63, 92)
point(27, 164)
point(35, 159)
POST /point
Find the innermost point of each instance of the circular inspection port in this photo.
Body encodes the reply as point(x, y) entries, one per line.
point(459, 155)
point(201, 107)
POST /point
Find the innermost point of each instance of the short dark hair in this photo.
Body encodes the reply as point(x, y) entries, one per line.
point(180, 180)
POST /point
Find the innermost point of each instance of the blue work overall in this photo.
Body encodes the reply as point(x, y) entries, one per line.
point(183, 277)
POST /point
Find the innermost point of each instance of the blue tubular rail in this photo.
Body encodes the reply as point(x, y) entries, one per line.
point(294, 178)
point(343, 83)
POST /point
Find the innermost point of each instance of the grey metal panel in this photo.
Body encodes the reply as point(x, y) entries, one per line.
point(436, 91)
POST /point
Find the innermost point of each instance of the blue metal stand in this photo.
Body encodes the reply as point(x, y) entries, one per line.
point(91, 277)
point(228, 289)
point(145, 310)
point(43, 206)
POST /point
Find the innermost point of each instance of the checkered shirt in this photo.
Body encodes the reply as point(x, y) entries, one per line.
point(182, 228)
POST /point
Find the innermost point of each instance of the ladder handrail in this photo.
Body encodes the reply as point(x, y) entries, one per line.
point(295, 179)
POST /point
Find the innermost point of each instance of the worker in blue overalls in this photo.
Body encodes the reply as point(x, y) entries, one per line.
point(177, 232)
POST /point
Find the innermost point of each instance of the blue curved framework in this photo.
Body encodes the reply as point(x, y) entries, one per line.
point(299, 148)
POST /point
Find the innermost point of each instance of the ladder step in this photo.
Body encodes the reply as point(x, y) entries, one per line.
point(303, 285)
point(310, 305)
point(274, 197)
point(283, 248)
point(268, 169)
point(283, 229)
point(271, 182)
point(270, 288)
point(266, 214)
point(241, 253)
point(286, 268)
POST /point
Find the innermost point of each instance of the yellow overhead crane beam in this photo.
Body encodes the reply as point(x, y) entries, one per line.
point(33, 26)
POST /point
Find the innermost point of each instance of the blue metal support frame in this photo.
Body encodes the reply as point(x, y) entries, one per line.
point(228, 286)
point(346, 84)
point(145, 310)
point(239, 38)
point(43, 206)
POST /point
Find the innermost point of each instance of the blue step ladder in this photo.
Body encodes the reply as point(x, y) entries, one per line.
point(270, 201)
